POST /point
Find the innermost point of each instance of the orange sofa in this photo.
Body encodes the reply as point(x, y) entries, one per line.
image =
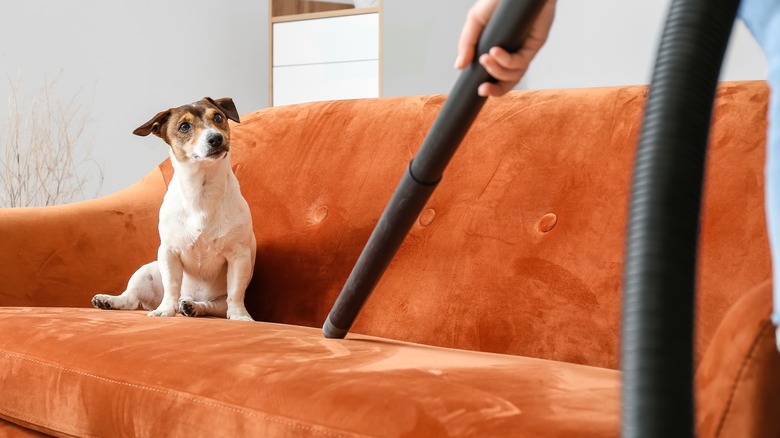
point(500, 315)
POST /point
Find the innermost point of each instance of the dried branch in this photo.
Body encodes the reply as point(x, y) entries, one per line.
point(45, 160)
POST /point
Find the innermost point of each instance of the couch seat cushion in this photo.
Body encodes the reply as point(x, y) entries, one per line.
point(87, 372)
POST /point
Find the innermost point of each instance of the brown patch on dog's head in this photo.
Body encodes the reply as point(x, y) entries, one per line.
point(196, 131)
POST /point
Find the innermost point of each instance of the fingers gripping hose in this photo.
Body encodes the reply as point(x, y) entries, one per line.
point(658, 303)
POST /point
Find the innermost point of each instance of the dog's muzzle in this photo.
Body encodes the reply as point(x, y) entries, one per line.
point(217, 146)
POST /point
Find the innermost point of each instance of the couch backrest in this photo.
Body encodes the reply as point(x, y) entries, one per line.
point(520, 249)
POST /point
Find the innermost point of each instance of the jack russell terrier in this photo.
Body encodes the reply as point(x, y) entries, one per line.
point(207, 244)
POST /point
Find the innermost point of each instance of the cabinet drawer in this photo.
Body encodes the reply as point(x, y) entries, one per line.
point(313, 82)
point(326, 40)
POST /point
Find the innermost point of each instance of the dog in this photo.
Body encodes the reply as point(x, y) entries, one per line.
point(207, 244)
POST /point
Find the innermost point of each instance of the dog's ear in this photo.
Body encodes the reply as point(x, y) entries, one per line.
point(227, 106)
point(154, 126)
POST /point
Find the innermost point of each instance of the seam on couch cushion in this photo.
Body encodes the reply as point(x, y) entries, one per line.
point(742, 366)
point(288, 422)
point(18, 427)
point(30, 424)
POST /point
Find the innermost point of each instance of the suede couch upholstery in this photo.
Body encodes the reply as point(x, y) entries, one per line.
point(500, 315)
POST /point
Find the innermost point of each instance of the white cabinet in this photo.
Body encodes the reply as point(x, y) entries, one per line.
point(325, 58)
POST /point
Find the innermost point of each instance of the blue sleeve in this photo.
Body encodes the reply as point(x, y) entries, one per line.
point(762, 18)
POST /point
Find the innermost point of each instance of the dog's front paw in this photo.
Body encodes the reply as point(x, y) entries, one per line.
point(187, 308)
point(162, 311)
point(101, 301)
point(239, 315)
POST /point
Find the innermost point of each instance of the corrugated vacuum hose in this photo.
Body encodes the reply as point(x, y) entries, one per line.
point(659, 278)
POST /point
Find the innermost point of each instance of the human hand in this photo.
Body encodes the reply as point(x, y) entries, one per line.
point(507, 68)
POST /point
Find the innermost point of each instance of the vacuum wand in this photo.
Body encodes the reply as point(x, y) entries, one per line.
point(508, 28)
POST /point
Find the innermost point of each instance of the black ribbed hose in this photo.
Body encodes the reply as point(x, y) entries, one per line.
point(659, 282)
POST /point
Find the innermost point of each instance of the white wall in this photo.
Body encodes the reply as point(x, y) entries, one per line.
point(122, 61)
point(614, 42)
point(419, 45)
point(592, 43)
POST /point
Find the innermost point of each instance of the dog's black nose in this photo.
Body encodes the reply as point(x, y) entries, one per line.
point(215, 140)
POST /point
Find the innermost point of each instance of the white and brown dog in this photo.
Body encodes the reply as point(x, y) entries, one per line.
point(207, 244)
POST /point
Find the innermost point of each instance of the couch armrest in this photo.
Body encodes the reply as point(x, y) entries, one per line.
point(738, 380)
point(62, 255)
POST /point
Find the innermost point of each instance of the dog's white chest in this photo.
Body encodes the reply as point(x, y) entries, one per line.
point(197, 237)
point(201, 244)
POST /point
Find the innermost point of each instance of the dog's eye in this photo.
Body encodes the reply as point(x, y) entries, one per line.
point(218, 118)
point(185, 127)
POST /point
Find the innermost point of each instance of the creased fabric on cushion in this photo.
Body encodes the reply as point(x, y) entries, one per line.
point(738, 381)
point(88, 372)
